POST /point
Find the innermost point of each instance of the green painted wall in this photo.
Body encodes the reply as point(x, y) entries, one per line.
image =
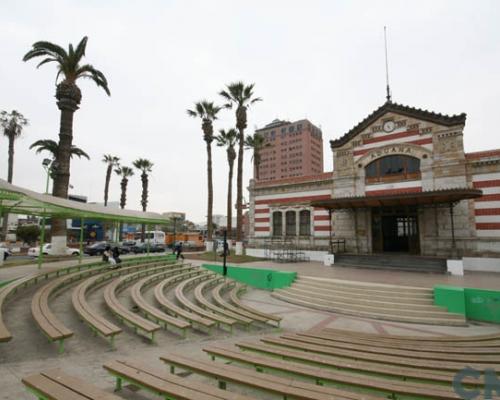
point(451, 297)
point(482, 305)
point(475, 304)
point(261, 278)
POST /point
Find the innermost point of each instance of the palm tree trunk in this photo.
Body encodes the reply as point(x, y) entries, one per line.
point(68, 106)
point(123, 201)
point(210, 192)
point(11, 158)
point(239, 188)
point(10, 173)
point(229, 225)
point(106, 184)
point(144, 201)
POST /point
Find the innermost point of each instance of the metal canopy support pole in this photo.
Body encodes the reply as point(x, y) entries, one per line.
point(42, 240)
point(330, 213)
point(453, 241)
point(80, 256)
point(148, 239)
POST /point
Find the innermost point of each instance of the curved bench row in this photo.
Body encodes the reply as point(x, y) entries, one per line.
point(363, 370)
point(234, 296)
point(7, 291)
point(138, 323)
point(189, 305)
point(208, 305)
point(171, 308)
point(151, 312)
point(49, 324)
point(97, 323)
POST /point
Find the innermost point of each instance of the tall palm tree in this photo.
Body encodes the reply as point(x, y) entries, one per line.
point(68, 95)
point(241, 96)
point(12, 125)
point(207, 111)
point(125, 173)
point(228, 139)
point(256, 142)
point(145, 166)
point(111, 162)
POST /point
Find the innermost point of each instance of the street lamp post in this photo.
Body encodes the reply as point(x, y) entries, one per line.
point(175, 227)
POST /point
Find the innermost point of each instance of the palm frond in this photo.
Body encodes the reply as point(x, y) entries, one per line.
point(76, 151)
point(80, 49)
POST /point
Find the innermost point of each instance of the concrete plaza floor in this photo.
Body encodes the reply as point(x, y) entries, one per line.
point(29, 351)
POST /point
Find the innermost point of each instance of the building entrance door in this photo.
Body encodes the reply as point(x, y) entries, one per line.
point(395, 230)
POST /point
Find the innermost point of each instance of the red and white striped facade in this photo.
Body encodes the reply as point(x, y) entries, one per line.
point(436, 141)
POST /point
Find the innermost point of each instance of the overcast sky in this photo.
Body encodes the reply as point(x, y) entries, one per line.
point(321, 60)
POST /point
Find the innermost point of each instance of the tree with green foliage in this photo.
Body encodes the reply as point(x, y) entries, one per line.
point(111, 162)
point(68, 95)
point(145, 167)
point(12, 126)
point(28, 233)
point(51, 146)
point(228, 139)
point(207, 112)
point(256, 142)
point(240, 96)
point(125, 173)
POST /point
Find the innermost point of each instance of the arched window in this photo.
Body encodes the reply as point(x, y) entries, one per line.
point(290, 223)
point(305, 223)
point(392, 168)
point(277, 224)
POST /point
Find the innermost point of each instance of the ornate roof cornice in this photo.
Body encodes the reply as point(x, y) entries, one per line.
point(446, 120)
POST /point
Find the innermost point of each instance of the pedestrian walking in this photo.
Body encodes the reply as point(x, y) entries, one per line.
point(116, 257)
point(178, 250)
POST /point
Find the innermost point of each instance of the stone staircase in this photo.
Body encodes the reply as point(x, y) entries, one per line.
point(400, 262)
point(369, 300)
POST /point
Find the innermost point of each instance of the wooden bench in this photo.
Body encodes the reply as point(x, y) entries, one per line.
point(97, 323)
point(11, 288)
point(415, 353)
point(138, 323)
point(152, 312)
point(49, 324)
point(386, 386)
point(388, 346)
point(8, 290)
point(338, 363)
point(186, 303)
point(386, 359)
point(205, 303)
point(176, 311)
point(166, 385)
point(57, 385)
point(217, 297)
point(233, 295)
point(285, 387)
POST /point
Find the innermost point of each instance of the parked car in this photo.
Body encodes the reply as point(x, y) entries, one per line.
point(47, 250)
point(127, 246)
point(143, 248)
point(97, 249)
